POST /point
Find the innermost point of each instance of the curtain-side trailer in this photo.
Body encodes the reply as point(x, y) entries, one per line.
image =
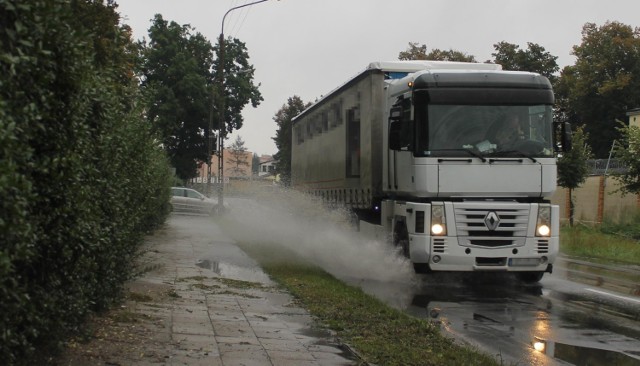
point(453, 161)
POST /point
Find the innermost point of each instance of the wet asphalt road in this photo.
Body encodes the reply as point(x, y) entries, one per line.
point(576, 324)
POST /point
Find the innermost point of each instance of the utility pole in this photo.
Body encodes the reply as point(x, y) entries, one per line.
point(221, 109)
point(210, 148)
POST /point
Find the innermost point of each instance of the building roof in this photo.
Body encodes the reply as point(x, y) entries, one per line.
point(633, 111)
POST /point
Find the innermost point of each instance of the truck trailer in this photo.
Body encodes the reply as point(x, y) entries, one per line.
point(452, 162)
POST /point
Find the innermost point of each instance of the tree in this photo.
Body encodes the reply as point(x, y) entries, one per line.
point(534, 59)
point(283, 118)
point(419, 52)
point(238, 157)
point(239, 89)
point(177, 80)
point(178, 74)
point(572, 166)
point(602, 84)
point(628, 153)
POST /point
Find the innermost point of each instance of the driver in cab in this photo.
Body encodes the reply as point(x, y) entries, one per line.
point(502, 134)
point(510, 132)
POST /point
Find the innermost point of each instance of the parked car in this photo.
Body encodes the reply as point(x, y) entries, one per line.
point(191, 201)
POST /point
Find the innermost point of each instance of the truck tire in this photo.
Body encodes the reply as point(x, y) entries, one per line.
point(401, 238)
point(421, 268)
point(529, 277)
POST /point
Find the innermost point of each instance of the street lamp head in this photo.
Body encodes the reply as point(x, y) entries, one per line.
point(238, 7)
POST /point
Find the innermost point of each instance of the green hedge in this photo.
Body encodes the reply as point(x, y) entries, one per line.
point(82, 177)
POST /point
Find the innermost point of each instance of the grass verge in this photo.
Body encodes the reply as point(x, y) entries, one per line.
point(382, 335)
point(592, 243)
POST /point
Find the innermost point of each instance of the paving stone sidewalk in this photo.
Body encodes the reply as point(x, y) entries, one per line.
point(202, 301)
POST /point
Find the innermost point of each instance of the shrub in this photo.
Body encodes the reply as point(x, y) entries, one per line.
point(82, 177)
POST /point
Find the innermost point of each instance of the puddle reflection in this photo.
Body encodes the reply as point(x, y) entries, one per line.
point(578, 355)
point(227, 270)
point(210, 265)
point(520, 321)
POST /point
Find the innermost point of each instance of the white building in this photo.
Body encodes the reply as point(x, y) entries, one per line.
point(267, 166)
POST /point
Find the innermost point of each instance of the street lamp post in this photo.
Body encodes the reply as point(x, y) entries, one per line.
point(209, 149)
point(221, 122)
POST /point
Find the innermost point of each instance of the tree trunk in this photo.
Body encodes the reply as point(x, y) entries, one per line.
point(571, 207)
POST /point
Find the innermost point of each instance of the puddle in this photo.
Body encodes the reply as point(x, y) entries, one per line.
point(235, 272)
point(578, 355)
point(210, 265)
point(508, 314)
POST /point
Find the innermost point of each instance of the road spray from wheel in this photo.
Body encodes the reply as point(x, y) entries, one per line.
point(326, 237)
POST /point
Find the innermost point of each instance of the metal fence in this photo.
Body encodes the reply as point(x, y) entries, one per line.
point(605, 166)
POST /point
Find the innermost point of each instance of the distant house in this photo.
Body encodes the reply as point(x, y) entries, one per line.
point(236, 165)
point(634, 117)
point(267, 166)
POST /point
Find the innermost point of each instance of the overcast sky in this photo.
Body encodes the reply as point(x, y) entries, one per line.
point(309, 47)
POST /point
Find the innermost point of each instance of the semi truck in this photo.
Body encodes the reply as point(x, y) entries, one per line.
point(452, 162)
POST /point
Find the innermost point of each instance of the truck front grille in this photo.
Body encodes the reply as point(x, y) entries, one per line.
point(491, 243)
point(473, 223)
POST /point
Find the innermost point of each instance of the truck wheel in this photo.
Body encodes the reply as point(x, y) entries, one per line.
point(529, 277)
point(421, 268)
point(401, 238)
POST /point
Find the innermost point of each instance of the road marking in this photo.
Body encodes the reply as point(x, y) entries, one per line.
point(612, 295)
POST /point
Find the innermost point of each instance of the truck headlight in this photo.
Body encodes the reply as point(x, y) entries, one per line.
point(543, 226)
point(438, 220)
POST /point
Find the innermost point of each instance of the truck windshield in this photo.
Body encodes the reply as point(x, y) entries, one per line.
point(485, 130)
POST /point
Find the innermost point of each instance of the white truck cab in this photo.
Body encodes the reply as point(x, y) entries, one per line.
point(455, 160)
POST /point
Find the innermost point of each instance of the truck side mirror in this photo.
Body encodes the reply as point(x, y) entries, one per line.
point(562, 132)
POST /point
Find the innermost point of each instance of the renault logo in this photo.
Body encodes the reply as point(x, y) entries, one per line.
point(492, 220)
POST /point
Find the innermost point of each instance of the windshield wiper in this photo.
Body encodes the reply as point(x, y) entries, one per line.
point(468, 151)
point(515, 152)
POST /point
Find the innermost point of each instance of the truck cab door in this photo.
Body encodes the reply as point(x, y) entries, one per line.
point(401, 138)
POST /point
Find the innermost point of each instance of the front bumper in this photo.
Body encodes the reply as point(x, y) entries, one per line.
point(450, 253)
